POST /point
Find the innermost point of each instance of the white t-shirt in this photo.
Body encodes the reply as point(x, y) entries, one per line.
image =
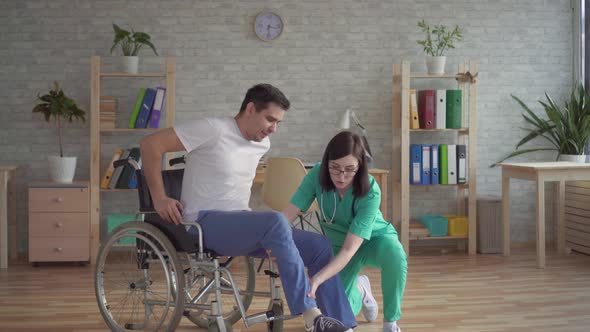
point(220, 165)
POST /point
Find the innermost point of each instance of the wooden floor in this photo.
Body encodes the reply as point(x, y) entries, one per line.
point(451, 292)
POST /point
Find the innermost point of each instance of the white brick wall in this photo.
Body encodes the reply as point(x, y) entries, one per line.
point(333, 54)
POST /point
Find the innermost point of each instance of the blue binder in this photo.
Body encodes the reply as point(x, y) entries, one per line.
point(434, 170)
point(146, 106)
point(426, 163)
point(415, 164)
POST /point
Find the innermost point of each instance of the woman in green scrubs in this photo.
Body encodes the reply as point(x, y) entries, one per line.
point(349, 200)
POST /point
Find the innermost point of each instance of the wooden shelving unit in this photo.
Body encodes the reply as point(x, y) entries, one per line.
point(402, 82)
point(96, 78)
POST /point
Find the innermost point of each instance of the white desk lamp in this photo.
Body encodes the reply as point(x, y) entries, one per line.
point(344, 123)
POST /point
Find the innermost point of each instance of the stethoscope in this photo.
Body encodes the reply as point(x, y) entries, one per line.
point(322, 208)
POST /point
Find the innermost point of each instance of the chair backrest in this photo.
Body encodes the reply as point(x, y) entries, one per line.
point(282, 177)
point(172, 186)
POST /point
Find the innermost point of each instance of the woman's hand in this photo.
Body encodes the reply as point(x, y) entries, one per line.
point(313, 286)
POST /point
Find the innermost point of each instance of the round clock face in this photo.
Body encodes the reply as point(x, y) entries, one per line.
point(268, 26)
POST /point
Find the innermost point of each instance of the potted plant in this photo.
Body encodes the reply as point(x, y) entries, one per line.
point(57, 107)
point(131, 42)
point(438, 40)
point(567, 128)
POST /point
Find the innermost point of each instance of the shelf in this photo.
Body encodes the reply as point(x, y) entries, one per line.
point(123, 75)
point(431, 238)
point(117, 190)
point(463, 131)
point(128, 130)
point(402, 80)
point(434, 76)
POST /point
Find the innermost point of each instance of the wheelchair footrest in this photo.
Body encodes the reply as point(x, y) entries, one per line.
point(271, 274)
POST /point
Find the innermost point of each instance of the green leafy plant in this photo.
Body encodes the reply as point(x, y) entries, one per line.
point(131, 41)
point(567, 129)
point(56, 106)
point(439, 38)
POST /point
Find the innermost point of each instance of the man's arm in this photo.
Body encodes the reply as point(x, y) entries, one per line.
point(152, 148)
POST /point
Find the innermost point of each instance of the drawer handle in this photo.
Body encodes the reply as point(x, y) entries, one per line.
point(59, 199)
point(58, 225)
point(58, 249)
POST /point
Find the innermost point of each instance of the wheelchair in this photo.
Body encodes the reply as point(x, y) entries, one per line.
point(151, 273)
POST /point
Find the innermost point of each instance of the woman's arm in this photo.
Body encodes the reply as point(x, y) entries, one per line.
point(351, 245)
point(291, 211)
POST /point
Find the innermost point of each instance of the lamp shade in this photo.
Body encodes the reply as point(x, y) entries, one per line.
point(344, 120)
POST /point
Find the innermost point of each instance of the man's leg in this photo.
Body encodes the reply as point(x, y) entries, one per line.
point(237, 233)
point(316, 252)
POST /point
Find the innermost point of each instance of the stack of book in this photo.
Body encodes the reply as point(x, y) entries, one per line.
point(108, 109)
point(417, 230)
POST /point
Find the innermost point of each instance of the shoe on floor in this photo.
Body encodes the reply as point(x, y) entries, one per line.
point(326, 324)
point(387, 327)
point(370, 307)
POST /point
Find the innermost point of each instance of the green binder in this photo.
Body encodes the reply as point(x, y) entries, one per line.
point(453, 109)
point(443, 172)
point(136, 109)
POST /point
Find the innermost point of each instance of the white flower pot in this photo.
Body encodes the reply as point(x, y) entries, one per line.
point(130, 64)
point(61, 169)
point(435, 65)
point(576, 158)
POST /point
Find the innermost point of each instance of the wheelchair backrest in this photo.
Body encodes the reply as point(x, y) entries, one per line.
point(172, 186)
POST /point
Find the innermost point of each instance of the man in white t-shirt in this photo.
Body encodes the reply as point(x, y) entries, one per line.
point(221, 160)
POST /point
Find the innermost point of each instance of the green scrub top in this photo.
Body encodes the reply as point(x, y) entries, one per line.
point(368, 221)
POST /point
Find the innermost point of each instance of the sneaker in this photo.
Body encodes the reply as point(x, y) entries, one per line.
point(391, 328)
point(326, 324)
point(370, 307)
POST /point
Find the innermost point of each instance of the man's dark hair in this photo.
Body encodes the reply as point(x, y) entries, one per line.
point(262, 95)
point(343, 144)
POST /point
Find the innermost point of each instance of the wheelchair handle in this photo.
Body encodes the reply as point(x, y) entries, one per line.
point(129, 161)
point(177, 160)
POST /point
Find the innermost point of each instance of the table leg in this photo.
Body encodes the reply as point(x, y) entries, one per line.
point(561, 218)
point(506, 215)
point(3, 221)
point(540, 207)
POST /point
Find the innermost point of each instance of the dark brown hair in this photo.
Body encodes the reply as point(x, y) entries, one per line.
point(262, 95)
point(343, 144)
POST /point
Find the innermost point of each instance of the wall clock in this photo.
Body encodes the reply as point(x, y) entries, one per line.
point(268, 26)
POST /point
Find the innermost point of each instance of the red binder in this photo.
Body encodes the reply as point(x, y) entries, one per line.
point(427, 108)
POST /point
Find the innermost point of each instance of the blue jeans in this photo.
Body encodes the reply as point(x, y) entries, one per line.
point(250, 233)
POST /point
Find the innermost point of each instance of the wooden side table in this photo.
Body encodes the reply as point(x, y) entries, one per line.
point(540, 173)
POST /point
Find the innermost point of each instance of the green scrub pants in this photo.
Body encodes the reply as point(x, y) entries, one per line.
point(386, 253)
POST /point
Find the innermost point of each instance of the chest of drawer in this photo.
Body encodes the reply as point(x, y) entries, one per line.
point(58, 224)
point(56, 249)
point(58, 200)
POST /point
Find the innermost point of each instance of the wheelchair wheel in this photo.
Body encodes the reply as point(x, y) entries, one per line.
point(242, 270)
point(136, 280)
point(276, 325)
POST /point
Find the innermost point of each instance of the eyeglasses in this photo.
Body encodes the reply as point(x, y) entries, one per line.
point(347, 172)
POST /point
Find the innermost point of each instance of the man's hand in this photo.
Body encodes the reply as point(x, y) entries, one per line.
point(169, 209)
